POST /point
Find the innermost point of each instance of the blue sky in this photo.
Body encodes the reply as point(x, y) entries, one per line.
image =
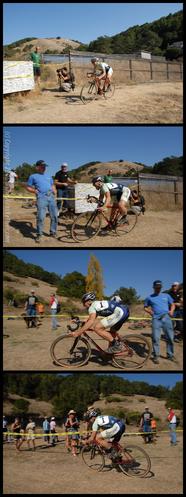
point(78, 145)
point(128, 268)
point(78, 21)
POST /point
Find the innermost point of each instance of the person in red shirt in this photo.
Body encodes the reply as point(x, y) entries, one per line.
point(172, 425)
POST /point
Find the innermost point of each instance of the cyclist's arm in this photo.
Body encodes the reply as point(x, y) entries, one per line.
point(107, 199)
point(89, 323)
point(91, 438)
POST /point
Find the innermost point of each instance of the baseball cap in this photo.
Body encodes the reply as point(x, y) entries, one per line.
point(175, 283)
point(41, 163)
point(72, 412)
point(32, 291)
point(52, 419)
point(157, 283)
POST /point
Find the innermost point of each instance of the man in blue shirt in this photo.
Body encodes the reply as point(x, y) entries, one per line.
point(46, 429)
point(43, 186)
point(161, 307)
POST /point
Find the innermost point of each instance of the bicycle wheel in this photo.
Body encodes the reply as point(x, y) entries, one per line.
point(88, 92)
point(136, 351)
point(134, 461)
point(109, 92)
point(93, 457)
point(86, 225)
point(70, 352)
point(125, 225)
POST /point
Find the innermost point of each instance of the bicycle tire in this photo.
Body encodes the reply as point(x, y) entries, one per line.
point(88, 92)
point(123, 228)
point(110, 91)
point(137, 350)
point(85, 226)
point(93, 457)
point(74, 359)
point(141, 464)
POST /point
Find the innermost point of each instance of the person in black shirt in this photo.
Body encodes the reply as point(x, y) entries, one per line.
point(62, 181)
point(145, 424)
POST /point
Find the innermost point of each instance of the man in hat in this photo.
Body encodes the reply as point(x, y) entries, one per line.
point(31, 309)
point(54, 438)
point(145, 424)
point(62, 180)
point(160, 307)
point(43, 186)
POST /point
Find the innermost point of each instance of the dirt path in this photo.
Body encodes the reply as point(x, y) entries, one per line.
point(154, 229)
point(50, 470)
point(142, 103)
point(30, 349)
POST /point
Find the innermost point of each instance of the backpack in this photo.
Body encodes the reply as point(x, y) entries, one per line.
point(58, 308)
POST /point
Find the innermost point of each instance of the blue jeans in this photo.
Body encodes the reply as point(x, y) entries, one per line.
point(43, 203)
point(54, 322)
point(62, 192)
point(172, 428)
point(147, 429)
point(164, 324)
point(31, 311)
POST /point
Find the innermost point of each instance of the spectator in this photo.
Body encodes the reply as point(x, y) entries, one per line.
point(53, 308)
point(108, 177)
point(46, 430)
point(36, 58)
point(177, 296)
point(62, 180)
point(16, 428)
point(154, 430)
point(161, 307)
point(72, 425)
point(66, 79)
point(43, 186)
point(5, 429)
point(137, 202)
point(12, 176)
point(54, 438)
point(30, 429)
point(40, 310)
point(172, 425)
point(145, 424)
point(30, 308)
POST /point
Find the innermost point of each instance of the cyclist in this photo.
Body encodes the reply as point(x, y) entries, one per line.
point(112, 429)
point(113, 315)
point(113, 192)
point(102, 71)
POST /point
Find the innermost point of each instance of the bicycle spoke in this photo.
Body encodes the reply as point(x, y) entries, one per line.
point(134, 461)
point(88, 92)
point(69, 353)
point(110, 90)
point(136, 351)
point(85, 226)
point(126, 224)
point(93, 457)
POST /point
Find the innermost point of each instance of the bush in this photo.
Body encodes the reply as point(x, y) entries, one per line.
point(11, 293)
point(133, 418)
point(142, 400)
point(113, 399)
point(8, 278)
point(20, 406)
point(35, 283)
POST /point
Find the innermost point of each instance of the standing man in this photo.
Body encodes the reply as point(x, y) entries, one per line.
point(31, 309)
point(43, 186)
point(53, 308)
point(145, 424)
point(46, 430)
point(172, 425)
point(36, 58)
point(176, 295)
point(108, 177)
point(12, 176)
point(62, 180)
point(160, 306)
point(54, 438)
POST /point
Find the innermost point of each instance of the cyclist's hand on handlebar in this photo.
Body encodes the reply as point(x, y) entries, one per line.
point(75, 334)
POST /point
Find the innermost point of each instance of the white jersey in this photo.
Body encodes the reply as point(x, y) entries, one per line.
point(102, 66)
point(12, 177)
point(104, 421)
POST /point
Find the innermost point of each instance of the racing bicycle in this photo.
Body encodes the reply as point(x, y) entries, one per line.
point(131, 460)
point(70, 352)
point(88, 224)
point(89, 91)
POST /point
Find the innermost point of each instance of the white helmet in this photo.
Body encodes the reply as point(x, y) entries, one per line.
point(94, 59)
point(116, 298)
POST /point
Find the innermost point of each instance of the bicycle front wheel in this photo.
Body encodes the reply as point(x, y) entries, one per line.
point(110, 90)
point(136, 351)
point(86, 225)
point(88, 93)
point(93, 457)
point(125, 225)
point(134, 461)
point(70, 352)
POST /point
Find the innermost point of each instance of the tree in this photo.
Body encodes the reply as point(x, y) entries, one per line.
point(175, 397)
point(128, 295)
point(72, 285)
point(94, 278)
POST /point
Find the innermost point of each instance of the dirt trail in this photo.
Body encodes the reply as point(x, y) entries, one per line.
point(50, 470)
point(154, 229)
point(30, 349)
point(142, 103)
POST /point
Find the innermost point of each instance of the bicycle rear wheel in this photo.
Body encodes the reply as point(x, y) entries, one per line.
point(134, 461)
point(136, 351)
point(93, 457)
point(86, 225)
point(125, 225)
point(109, 92)
point(70, 352)
point(88, 92)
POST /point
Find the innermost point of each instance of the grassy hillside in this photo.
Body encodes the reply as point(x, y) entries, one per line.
point(20, 49)
point(121, 167)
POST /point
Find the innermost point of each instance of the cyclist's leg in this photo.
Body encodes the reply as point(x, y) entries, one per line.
point(105, 438)
point(102, 327)
point(108, 78)
point(122, 202)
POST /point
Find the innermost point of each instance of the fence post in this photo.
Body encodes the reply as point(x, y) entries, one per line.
point(151, 71)
point(181, 71)
point(130, 68)
point(167, 71)
point(175, 192)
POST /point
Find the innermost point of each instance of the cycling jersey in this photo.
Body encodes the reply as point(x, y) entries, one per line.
point(102, 66)
point(106, 307)
point(104, 422)
point(113, 188)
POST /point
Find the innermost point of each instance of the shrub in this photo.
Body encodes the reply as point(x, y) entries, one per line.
point(20, 406)
point(9, 278)
point(35, 283)
point(113, 399)
point(142, 400)
point(133, 418)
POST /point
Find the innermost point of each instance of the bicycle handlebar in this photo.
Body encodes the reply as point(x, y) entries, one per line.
point(91, 198)
point(77, 323)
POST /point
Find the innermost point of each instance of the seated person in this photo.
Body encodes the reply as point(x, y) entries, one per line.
point(66, 79)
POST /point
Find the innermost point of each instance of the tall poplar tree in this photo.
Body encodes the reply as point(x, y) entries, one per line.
point(94, 278)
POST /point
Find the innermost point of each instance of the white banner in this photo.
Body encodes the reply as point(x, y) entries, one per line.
point(17, 76)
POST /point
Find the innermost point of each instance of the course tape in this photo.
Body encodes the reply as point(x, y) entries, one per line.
point(34, 198)
point(67, 433)
point(6, 316)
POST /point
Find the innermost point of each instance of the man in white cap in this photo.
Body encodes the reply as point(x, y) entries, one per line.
point(145, 424)
point(62, 180)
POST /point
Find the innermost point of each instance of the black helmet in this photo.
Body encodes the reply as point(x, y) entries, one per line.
point(93, 414)
point(41, 163)
point(97, 178)
point(88, 296)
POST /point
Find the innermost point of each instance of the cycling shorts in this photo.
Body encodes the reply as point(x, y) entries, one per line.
point(116, 319)
point(114, 433)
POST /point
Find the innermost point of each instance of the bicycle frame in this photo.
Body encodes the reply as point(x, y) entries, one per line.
point(127, 349)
